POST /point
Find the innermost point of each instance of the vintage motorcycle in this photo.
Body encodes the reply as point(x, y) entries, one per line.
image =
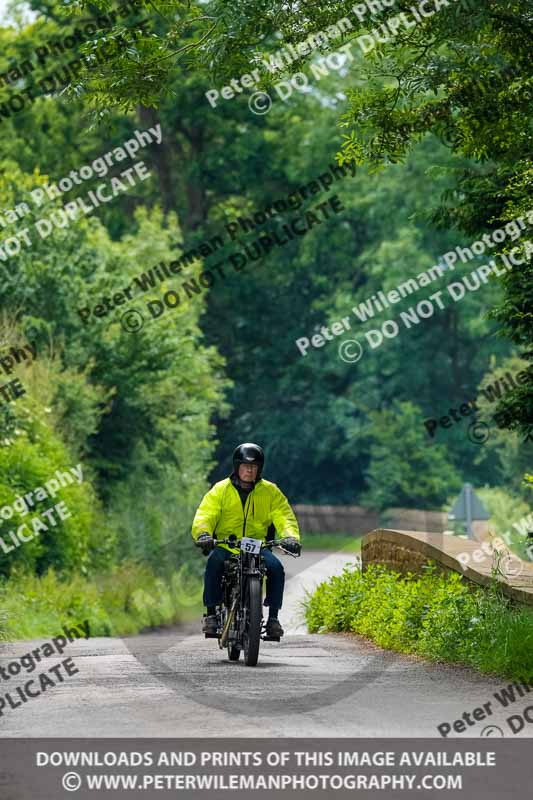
point(240, 615)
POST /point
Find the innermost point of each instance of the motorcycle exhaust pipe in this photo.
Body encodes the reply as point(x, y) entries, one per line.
point(225, 632)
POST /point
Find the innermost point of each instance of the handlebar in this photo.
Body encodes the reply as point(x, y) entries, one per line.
point(233, 542)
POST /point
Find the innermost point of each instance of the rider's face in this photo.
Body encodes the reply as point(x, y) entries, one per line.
point(248, 472)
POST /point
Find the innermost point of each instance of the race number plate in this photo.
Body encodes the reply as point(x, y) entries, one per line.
point(250, 545)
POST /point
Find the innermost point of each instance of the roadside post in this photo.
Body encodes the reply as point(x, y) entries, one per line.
point(467, 508)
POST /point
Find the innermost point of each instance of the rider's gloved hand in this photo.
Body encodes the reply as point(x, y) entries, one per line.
point(206, 542)
point(292, 545)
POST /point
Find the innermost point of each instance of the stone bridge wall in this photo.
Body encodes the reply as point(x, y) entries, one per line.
point(409, 551)
point(357, 520)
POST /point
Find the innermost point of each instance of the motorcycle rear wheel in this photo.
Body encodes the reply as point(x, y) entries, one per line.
point(233, 652)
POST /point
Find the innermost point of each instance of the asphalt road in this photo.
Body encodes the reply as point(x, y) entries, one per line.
point(175, 683)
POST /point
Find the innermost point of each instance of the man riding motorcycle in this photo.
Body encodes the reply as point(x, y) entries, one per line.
point(245, 504)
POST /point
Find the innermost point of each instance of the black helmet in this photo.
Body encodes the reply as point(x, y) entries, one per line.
point(249, 453)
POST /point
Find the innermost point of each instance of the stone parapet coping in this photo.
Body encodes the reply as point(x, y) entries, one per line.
point(406, 551)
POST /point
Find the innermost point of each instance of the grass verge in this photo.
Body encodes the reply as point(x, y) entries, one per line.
point(331, 541)
point(121, 603)
point(436, 616)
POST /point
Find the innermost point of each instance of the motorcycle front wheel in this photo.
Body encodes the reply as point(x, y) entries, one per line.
point(252, 634)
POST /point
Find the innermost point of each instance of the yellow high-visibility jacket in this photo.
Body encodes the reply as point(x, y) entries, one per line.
point(221, 512)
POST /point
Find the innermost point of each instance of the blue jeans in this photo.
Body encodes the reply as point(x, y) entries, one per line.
point(275, 578)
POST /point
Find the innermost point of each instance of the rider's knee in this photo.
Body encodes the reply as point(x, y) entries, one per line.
point(214, 560)
point(277, 568)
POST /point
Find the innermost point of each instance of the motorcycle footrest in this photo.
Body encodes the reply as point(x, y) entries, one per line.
point(211, 635)
point(271, 638)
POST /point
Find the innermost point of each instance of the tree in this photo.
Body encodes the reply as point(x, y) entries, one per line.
point(134, 404)
point(224, 163)
point(404, 469)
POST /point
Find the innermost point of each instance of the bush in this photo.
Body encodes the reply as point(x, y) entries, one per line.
point(510, 515)
point(438, 616)
point(26, 464)
point(32, 449)
point(120, 603)
point(416, 475)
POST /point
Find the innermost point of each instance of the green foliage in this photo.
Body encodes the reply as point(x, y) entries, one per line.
point(509, 514)
point(120, 603)
point(134, 409)
point(437, 616)
point(32, 450)
point(212, 166)
point(462, 75)
point(168, 497)
point(515, 314)
point(514, 454)
point(404, 469)
point(504, 508)
point(337, 542)
point(383, 238)
point(143, 412)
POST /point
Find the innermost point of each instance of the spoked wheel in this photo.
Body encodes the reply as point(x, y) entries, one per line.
point(234, 651)
point(252, 634)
